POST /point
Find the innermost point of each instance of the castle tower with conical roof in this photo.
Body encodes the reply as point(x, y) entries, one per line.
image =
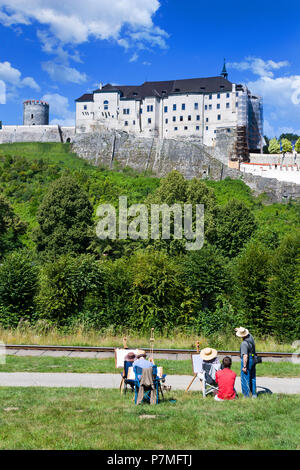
point(224, 71)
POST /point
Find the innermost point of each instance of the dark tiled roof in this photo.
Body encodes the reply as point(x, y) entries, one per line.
point(170, 87)
point(86, 97)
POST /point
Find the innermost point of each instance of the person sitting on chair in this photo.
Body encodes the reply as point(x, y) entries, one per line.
point(210, 365)
point(225, 380)
point(141, 361)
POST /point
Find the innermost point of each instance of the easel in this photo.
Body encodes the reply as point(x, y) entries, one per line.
point(195, 373)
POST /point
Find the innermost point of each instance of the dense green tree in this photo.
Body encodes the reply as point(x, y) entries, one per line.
point(235, 223)
point(10, 227)
point(64, 285)
point(205, 273)
point(172, 189)
point(297, 145)
point(18, 285)
point(286, 145)
point(64, 217)
point(289, 136)
point(283, 288)
point(250, 275)
point(274, 146)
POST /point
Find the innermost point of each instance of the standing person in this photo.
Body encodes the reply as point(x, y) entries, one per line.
point(248, 371)
point(225, 380)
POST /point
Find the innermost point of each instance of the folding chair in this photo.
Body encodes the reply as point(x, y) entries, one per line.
point(125, 381)
point(138, 371)
point(207, 385)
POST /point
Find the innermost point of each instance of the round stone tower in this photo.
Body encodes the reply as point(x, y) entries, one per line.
point(35, 113)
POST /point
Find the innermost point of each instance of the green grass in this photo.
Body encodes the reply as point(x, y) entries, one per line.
point(38, 418)
point(171, 367)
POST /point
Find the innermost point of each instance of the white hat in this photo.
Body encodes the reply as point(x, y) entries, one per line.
point(208, 353)
point(241, 332)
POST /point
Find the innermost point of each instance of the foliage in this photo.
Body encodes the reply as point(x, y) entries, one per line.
point(286, 145)
point(235, 224)
point(297, 145)
point(64, 218)
point(289, 136)
point(284, 290)
point(11, 227)
point(250, 275)
point(64, 285)
point(274, 146)
point(18, 285)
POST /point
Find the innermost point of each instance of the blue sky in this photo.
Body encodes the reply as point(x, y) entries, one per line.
point(57, 50)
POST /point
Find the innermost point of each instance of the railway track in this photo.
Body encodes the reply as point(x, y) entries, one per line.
point(106, 349)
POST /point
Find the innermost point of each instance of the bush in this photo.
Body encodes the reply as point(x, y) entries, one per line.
point(18, 285)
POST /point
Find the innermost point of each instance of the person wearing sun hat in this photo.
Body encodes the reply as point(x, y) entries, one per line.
point(247, 353)
point(211, 364)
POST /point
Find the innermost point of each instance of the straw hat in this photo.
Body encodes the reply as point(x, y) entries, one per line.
point(207, 354)
point(241, 332)
point(140, 352)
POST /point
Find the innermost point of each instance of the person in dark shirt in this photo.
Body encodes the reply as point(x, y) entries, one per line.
point(248, 370)
point(225, 380)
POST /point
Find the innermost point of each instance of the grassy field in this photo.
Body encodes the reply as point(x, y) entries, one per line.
point(101, 366)
point(36, 418)
point(171, 339)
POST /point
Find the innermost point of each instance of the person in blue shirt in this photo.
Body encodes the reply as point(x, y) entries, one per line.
point(141, 360)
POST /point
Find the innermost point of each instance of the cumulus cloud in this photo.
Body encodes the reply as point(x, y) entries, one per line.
point(60, 109)
point(75, 22)
point(134, 57)
point(12, 76)
point(258, 66)
point(63, 73)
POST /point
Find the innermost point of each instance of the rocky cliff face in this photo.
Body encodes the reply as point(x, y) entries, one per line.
point(188, 156)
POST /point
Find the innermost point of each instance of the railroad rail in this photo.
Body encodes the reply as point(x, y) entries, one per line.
point(108, 349)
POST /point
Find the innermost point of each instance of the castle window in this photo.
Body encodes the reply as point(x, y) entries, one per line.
point(84, 107)
point(198, 117)
point(196, 106)
point(237, 93)
point(210, 106)
point(210, 96)
point(149, 120)
point(219, 117)
point(227, 105)
point(105, 104)
point(174, 118)
point(166, 121)
point(32, 116)
point(218, 95)
point(206, 119)
point(218, 106)
point(149, 108)
point(134, 123)
point(227, 95)
point(206, 128)
point(181, 118)
point(126, 123)
point(185, 128)
point(165, 109)
point(228, 130)
point(237, 105)
point(175, 128)
point(197, 128)
point(126, 111)
point(206, 107)
point(183, 107)
point(174, 107)
point(189, 118)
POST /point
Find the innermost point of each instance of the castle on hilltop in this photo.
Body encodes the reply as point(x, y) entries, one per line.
point(198, 107)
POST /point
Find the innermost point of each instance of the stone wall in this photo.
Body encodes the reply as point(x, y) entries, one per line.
point(188, 156)
point(52, 133)
point(274, 158)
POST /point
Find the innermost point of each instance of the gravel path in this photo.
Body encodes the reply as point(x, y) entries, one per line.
point(178, 382)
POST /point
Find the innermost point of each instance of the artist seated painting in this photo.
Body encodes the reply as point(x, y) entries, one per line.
point(141, 360)
point(210, 364)
point(225, 379)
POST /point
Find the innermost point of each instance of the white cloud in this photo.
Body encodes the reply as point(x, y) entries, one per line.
point(59, 107)
point(258, 66)
point(2, 92)
point(63, 73)
point(134, 57)
point(13, 77)
point(75, 22)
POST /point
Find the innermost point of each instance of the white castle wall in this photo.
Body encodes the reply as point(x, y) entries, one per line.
point(52, 133)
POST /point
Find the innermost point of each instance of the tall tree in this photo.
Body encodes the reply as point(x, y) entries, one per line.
point(274, 146)
point(11, 227)
point(64, 217)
